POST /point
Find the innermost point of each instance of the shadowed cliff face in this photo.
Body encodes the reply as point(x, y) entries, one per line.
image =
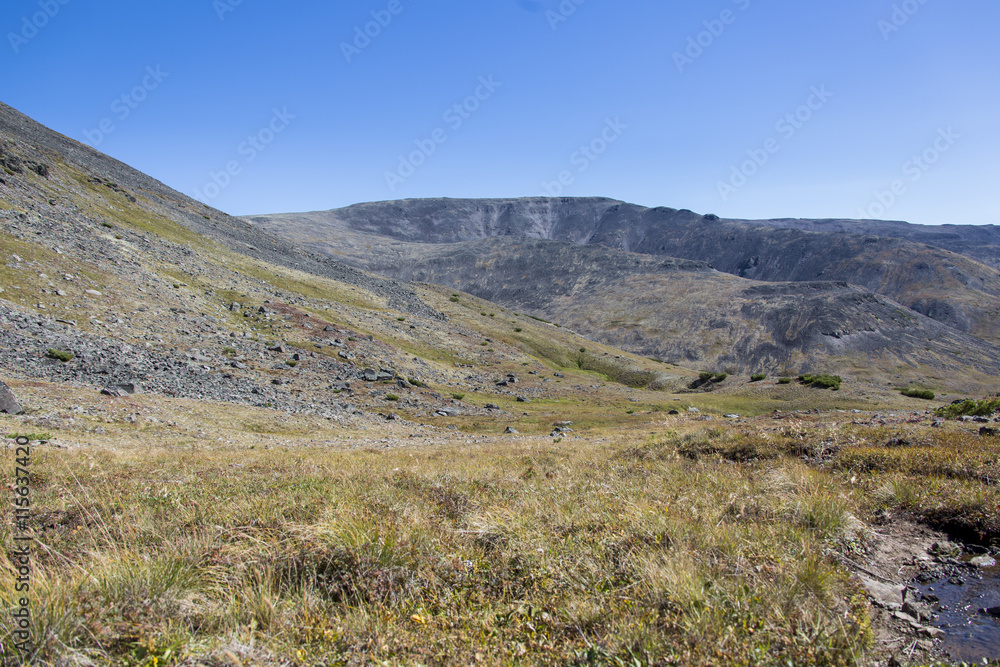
point(927, 277)
point(681, 311)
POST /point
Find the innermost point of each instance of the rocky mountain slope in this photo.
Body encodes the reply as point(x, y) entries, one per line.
point(685, 312)
point(926, 276)
point(980, 242)
point(147, 287)
point(111, 280)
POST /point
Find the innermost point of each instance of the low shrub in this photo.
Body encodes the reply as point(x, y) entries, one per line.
point(822, 381)
point(757, 377)
point(707, 379)
point(916, 392)
point(970, 408)
point(60, 355)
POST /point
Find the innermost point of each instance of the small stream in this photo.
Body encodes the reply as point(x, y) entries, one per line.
point(970, 633)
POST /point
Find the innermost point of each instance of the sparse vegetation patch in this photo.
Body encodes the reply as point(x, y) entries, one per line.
point(970, 408)
point(822, 381)
point(917, 392)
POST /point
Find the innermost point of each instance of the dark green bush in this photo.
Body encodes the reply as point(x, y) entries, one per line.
point(822, 381)
point(970, 408)
point(916, 392)
point(757, 377)
point(61, 355)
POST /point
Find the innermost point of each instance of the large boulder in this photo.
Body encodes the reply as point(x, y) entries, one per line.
point(9, 404)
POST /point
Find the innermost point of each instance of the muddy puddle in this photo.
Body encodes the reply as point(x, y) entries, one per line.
point(959, 603)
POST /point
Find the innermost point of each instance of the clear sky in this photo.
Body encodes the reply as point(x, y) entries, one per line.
point(743, 108)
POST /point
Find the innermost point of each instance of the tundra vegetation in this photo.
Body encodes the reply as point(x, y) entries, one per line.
point(674, 541)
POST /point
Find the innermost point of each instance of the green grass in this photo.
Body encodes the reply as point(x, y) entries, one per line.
point(32, 437)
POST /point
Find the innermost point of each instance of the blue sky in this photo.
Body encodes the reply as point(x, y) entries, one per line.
point(743, 108)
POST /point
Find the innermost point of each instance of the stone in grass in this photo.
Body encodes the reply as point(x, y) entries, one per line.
point(123, 389)
point(510, 430)
point(9, 404)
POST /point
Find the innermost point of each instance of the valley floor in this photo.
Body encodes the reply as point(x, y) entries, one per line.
point(174, 532)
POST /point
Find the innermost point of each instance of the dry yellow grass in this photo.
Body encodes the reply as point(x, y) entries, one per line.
point(605, 549)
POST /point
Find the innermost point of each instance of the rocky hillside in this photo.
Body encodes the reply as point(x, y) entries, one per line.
point(145, 288)
point(683, 311)
point(928, 276)
point(112, 281)
point(980, 242)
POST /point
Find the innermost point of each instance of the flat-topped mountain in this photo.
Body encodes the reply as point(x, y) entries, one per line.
point(605, 221)
point(926, 276)
point(672, 284)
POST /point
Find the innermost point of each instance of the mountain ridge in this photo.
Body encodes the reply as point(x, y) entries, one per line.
point(952, 288)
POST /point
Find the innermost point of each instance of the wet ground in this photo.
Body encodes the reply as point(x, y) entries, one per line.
point(966, 604)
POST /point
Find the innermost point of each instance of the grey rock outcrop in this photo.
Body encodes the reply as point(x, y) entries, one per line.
point(8, 403)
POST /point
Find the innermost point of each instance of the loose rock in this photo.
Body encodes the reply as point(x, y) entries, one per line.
point(9, 404)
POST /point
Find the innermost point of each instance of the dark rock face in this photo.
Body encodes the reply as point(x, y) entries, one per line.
point(683, 311)
point(8, 403)
point(919, 267)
